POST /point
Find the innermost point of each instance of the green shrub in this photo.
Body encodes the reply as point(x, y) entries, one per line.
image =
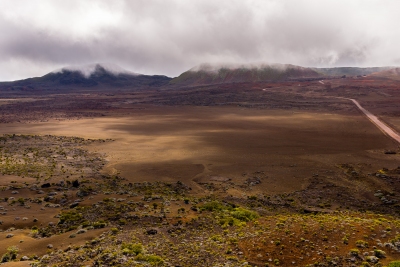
point(152, 259)
point(213, 206)
point(361, 244)
point(394, 264)
point(216, 238)
point(70, 217)
point(99, 224)
point(34, 233)
point(354, 252)
point(85, 224)
point(131, 249)
point(230, 221)
point(380, 253)
point(244, 215)
point(122, 221)
point(11, 254)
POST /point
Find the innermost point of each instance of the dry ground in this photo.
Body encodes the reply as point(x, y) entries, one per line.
point(193, 144)
point(296, 147)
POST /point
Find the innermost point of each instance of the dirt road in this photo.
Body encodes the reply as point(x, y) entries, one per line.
point(383, 127)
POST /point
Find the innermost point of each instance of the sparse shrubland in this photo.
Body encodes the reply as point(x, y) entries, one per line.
point(46, 157)
point(163, 224)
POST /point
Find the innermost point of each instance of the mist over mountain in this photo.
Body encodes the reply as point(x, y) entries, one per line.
point(86, 76)
point(230, 73)
point(392, 74)
point(349, 71)
point(214, 74)
point(90, 69)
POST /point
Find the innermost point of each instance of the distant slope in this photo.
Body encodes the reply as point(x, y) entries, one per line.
point(393, 74)
point(95, 75)
point(208, 74)
point(349, 71)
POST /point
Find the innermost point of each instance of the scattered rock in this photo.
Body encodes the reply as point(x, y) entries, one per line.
point(82, 193)
point(46, 185)
point(75, 183)
point(220, 179)
point(372, 259)
point(253, 181)
point(81, 231)
point(151, 232)
point(24, 258)
point(390, 152)
point(73, 205)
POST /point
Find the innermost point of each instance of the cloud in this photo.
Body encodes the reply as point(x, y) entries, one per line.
point(89, 69)
point(171, 36)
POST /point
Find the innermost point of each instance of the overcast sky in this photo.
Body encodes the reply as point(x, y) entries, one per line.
point(170, 36)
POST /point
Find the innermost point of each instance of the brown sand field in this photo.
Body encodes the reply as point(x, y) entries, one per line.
point(193, 144)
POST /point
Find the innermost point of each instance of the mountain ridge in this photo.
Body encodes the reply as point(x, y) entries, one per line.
point(98, 76)
point(109, 76)
point(208, 74)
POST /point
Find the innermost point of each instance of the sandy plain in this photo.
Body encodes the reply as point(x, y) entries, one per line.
point(194, 144)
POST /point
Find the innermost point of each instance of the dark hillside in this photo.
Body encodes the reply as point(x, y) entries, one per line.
point(75, 79)
point(209, 75)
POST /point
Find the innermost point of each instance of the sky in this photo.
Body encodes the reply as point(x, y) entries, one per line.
point(168, 37)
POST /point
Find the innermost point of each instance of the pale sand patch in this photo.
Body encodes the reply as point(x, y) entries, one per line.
point(17, 264)
point(7, 179)
point(31, 246)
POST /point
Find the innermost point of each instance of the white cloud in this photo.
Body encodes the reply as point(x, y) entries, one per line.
point(171, 36)
point(89, 69)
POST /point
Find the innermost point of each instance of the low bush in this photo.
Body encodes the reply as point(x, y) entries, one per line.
point(11, 254)
point(394, 264)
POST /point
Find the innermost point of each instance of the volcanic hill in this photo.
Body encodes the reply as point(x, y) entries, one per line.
point(209, 74)
point(94, 75)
